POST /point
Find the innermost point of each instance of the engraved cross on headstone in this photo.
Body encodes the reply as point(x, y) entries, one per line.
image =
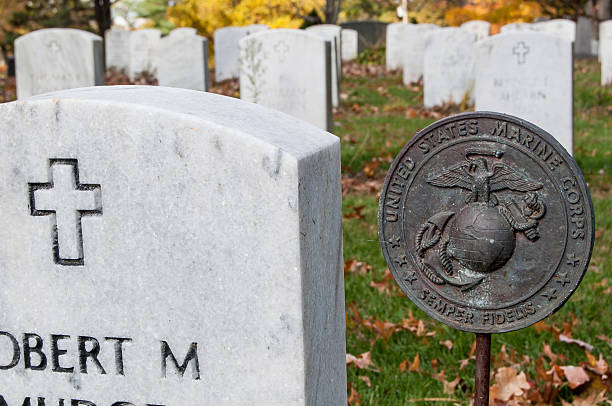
point(54, 47)
point(520, 50)
point(68, 200)
point(281, 48)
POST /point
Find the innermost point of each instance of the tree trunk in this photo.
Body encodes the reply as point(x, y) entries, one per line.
point(332, 9)
point(605, 10)
point(103, 15)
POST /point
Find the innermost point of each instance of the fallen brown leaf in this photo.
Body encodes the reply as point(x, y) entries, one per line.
point(354, 398)
point(598, 366)
point(448, 387)
point(366, 380)
point(509, 383)
point(575, 376)
point(565, 339)
point(448, 344)
point(363, 361)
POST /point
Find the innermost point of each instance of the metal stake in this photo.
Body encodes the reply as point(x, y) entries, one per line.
point(483, 368)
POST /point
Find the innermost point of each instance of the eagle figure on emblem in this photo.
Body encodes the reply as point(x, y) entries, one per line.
point(474, 175)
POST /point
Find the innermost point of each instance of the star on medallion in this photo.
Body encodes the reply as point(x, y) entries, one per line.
point(551, 295)
point(572, 259)
point(401, 260)
point(563, 279)
point(394, 241)
point(411, 277)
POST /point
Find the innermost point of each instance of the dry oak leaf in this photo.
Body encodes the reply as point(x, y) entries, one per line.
point(354, 398)
point(448, 387)
point(565, 339)
point(366, 380)
point(414, 365)
point(508, 383)
point(575, 376)
point(447, 343)
point(599, 366)
point(363, 361)
point(590, 400)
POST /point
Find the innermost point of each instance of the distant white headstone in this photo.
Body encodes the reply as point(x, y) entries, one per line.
point(182, 61)
point(56, 59)
point(414, 53)
point(227, 65)
point(449, 63)
point(350, 44)
point(584, 36)
point(397, 36)
point(559, 26)
point(482, 29)
point(117, 48)
point(332, 33)
point(528, 75)
point(518, 27)
point(288, 70)
point(605, 46)
point(168, 247)
point(183, 31)
point(143, 44)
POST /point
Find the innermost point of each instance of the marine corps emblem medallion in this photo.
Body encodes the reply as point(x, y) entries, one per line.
point(486, 222)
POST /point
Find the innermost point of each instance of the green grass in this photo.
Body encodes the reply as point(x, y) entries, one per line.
point(375, 121)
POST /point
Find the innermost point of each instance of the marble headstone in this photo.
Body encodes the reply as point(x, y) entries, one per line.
point(605, 46)
point(350, 39)
point(414, 53)
point(117, 48)
point(143, 44)
point(181, 59)
point(288, 70)
point(371, 33)
point(528, 75)
point(398, 34)
point(482, 29)
point(168, 247)
point(332, 33)
point(56, 59)
point(448, 70)
point(512, 27)
point(559, 26)
point(584, 37)
point(227, 65)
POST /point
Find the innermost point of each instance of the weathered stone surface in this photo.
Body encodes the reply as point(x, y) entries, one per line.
point(56, 59)
point(143, 44)
point(528, 75)
point(182, 61)
point(371, 33)
point(584, 35)
point(117, 49)
point(449, 63)
point(605, 50)
point(414, 53)
point(227, 65)
point(350, 44)
point(482, 29)
point(288, 70)
point(332, 33)
point(213, 230)
point(559, 26)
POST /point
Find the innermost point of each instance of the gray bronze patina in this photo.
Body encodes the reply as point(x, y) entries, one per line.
point(486, 222)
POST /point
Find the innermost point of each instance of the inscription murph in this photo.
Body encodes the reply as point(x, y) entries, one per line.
point(67, 200)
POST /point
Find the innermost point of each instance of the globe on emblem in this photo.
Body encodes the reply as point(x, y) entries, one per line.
point(481, 238)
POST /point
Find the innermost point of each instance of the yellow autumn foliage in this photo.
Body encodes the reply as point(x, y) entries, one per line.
point(497, 12)
point(208, 15)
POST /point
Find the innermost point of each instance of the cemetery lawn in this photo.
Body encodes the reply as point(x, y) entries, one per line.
point(403, 357)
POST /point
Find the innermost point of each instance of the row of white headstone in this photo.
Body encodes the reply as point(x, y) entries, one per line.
point(527, 74)
point(60, 58)
point(180, 59)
